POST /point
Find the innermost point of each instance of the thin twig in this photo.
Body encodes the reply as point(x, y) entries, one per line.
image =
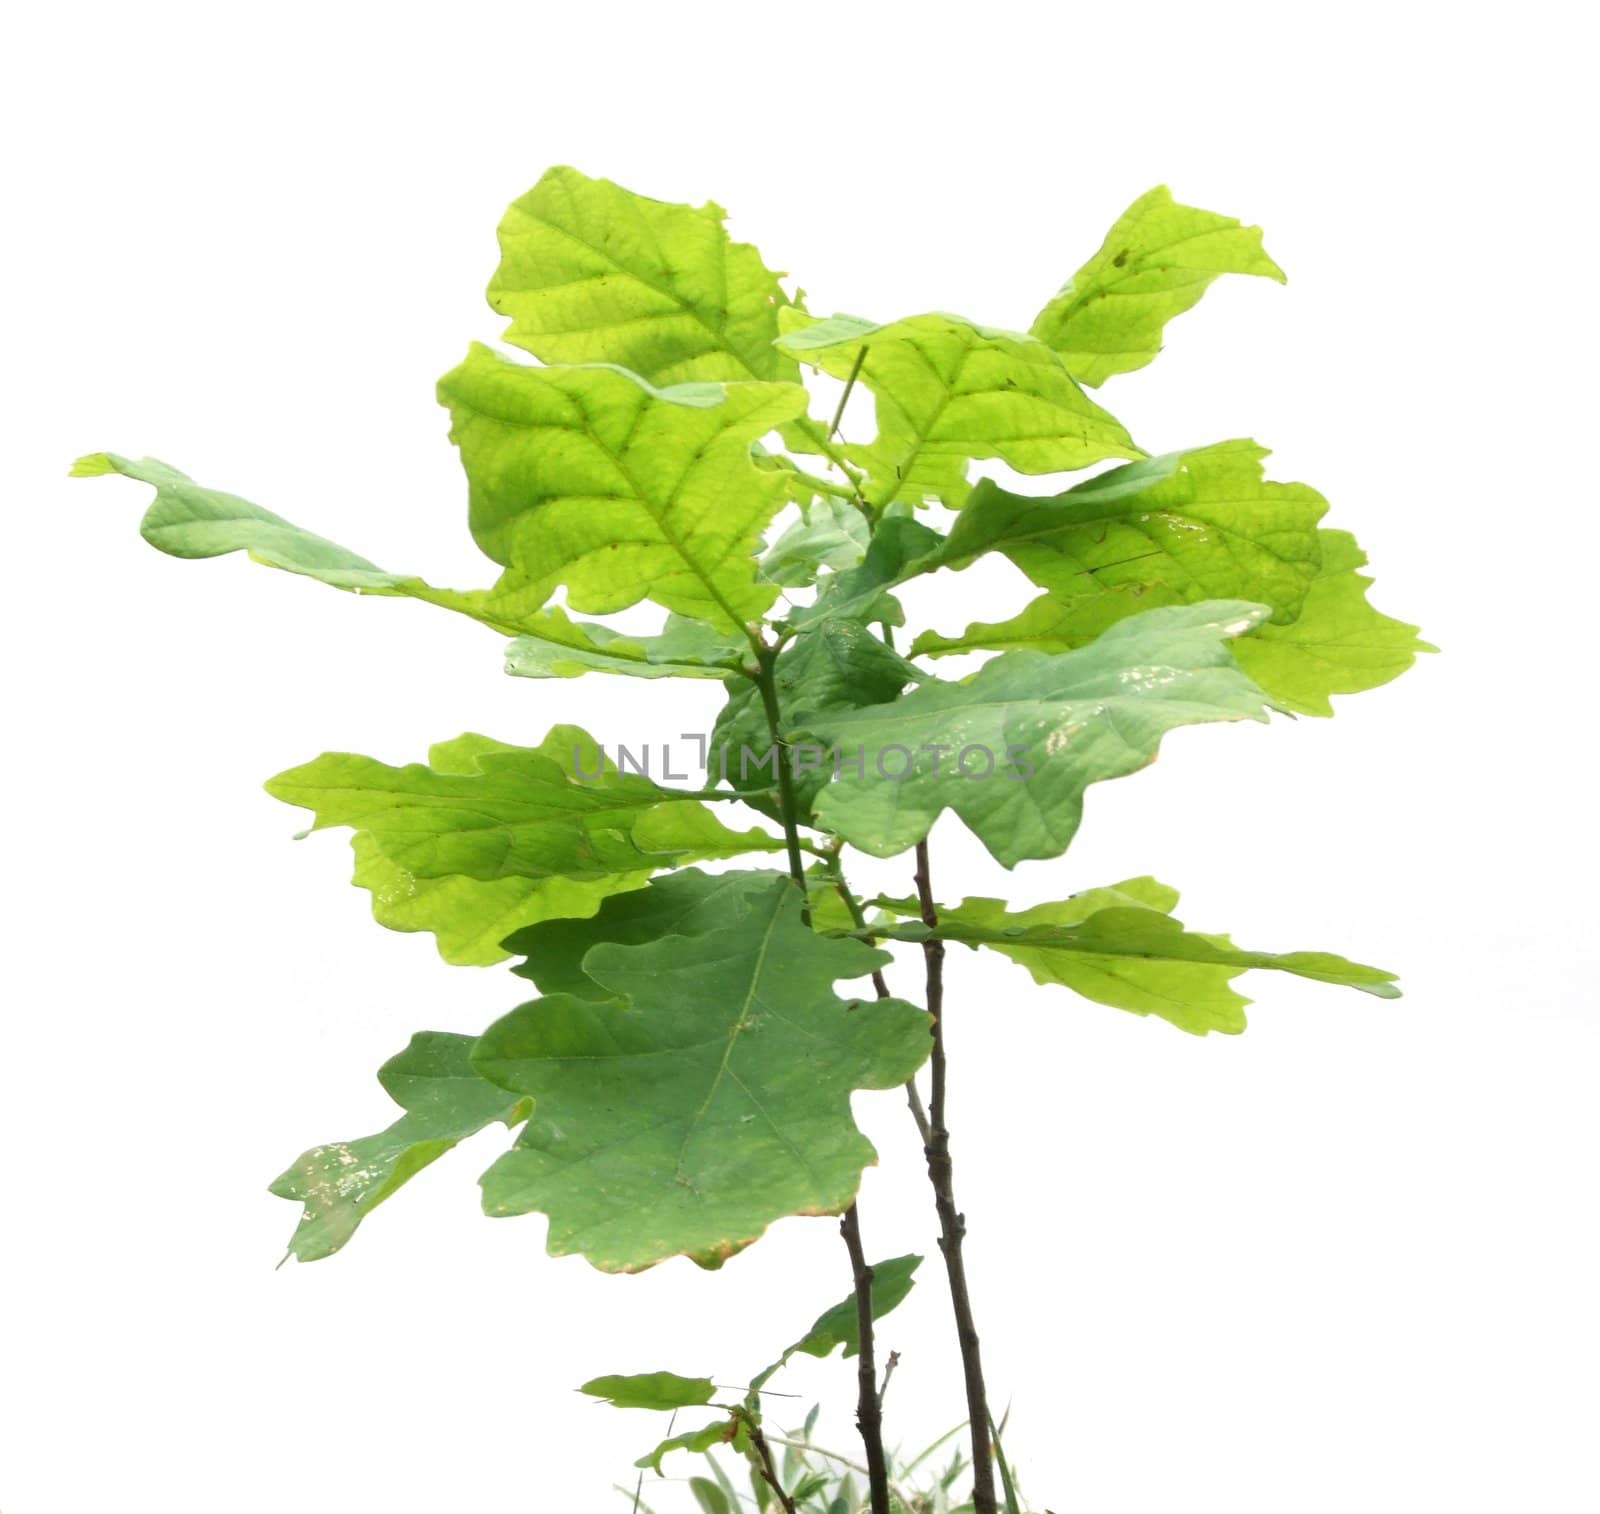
point(769, 1470)
point(952, 1223)
point(888, 1372)
point(918, 1113)
point(859, 915)
point(849, 384)
point(869, 1406)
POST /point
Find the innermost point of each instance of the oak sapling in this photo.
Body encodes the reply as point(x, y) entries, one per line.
point(682, 1075)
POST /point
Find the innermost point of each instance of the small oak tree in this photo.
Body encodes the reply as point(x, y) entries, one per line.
point(683, 1075)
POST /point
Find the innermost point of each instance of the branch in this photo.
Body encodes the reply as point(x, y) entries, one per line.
point(859, 915)
point(952, 1223)
point(825, 445)
point(869, 1409)
point(850, 383)
point(766, 681)
point(869, 1404)
point(769, 1470)
point(888, 1372)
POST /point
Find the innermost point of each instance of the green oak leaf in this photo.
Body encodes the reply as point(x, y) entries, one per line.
point(567, 648)
point(490, 837)
point(1155, 263)
point(1045, 624)
point(704, 1439)
point(524, 812)
point(825, 898)
point(470, 917)
point(692, 832)
point(593, 273)
point(188, 520)
point(891, 1283)
point(444, 1101)
point(830, 533)
point(948, 391)
point(652, 1390)
point(1204, 524)
point(1120, 946)
point(687, 902)
point(487, 810)
point(593, 478)
point(835, 664)
point(900, 549)
point(1043, 728)
point(707, 1098)
point(1337, 644)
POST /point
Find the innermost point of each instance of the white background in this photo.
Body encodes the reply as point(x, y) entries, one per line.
point(1346, 1261)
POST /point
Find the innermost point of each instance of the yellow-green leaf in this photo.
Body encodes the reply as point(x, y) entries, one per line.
point(1120, 946)
point(1204, 524)
point(592, 273)
point(1155, 264)
point(593, 478)
point(1337, 644)
point(949, 391)
point(651, 1390)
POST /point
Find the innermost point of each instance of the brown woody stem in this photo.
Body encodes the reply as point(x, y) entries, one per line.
point(869, 1403)
point(769, 1468)
point(952, 1223)
point(869, 1408)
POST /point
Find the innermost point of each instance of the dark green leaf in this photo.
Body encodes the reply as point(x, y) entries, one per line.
point(838, 1326)
point(710, 1097)
point(834, 664)
point(1042, 728)
point(685, 903)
